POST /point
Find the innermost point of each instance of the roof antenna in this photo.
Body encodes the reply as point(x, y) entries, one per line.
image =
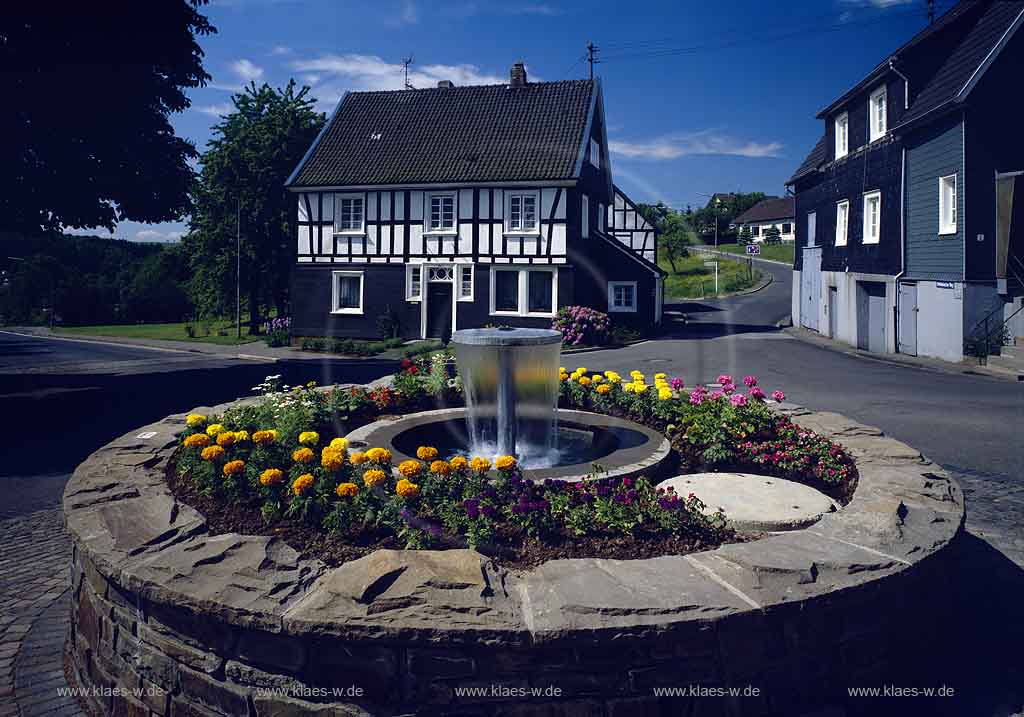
point(592, 58)
point(405, 67)
point(931, 11)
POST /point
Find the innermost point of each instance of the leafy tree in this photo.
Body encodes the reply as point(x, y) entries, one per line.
point(724, 213)
point(772, 235)
point(675, 239)
point(745, 236)
point(157, 291)
point(244, 169)
point(655, 214)
point(88, 89)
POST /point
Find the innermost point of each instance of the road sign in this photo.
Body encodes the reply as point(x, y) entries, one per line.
point(753, 250)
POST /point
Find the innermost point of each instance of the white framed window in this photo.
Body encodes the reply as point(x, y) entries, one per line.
point(621, 296)
point(349, 214)
point(755, 230)
point(524, 292)
point(465, 287)
point(585, 214)
point(595, 153)
point(877, 114)
point(947, 204)
point(842, 222)
point(842, 131)
point(872, 217)
point(346, 292)
point(413, 282)
point(787, 228)
point(441, 213)
point(812, 228)
point(440, 273)
point(521, 213)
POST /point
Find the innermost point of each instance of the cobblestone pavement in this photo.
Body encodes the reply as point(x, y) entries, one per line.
point(995, 509)
point(34, 555)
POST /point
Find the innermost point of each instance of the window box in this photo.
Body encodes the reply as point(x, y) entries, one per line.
point(621, 296)
point(524, 292)
point(346, 292)
point(947, 204)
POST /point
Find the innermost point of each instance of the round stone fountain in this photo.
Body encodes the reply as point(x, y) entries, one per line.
point(510, 385)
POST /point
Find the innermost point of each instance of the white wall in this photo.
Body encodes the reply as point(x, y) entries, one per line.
point(940, 321)
point(846, 306)
point(794, 307)
point(763, 226)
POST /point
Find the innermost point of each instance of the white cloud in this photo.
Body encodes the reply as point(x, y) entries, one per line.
point(246, 70)
point(218, 110)
point(706, 142)
point(338, 73)
point(152, 235)
point(280, 50)
point(535, 9)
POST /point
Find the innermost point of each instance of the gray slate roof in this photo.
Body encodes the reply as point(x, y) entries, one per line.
point(487, 133)
point(766, 209)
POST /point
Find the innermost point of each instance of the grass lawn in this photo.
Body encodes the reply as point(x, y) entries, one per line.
point(168, 332)
point(694, 280)
point(777, 252)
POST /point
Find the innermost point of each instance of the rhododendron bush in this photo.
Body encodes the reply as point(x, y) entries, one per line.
point(583, 325)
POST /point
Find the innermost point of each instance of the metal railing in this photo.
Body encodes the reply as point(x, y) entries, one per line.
point(994, 332)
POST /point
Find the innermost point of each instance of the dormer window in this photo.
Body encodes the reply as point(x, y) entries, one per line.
point(877, 114)
point(842, 135)
point(595, 153)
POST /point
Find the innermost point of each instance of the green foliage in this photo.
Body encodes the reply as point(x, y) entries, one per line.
point(723, 213)
point(87, 138)
point(745, 236)
point(389, 324)
point(772, 236)
point(252, 152)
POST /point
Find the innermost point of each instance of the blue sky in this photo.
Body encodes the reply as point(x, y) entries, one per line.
point(701, 96)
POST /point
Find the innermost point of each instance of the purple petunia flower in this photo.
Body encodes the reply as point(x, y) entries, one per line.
point(779, 396)
point(724, 379)
point(738, 400)
point(677, 384)
point(750, 381)
point(756, 393)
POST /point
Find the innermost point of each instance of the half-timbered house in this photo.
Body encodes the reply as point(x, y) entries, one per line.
point(461, 207)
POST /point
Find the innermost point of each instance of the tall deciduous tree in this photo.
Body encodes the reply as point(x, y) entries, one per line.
point(244, 169)
point(88, 88)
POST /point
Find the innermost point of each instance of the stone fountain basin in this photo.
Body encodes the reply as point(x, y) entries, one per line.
point(637, 448)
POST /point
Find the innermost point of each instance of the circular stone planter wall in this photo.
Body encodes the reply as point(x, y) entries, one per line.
point(241, 625)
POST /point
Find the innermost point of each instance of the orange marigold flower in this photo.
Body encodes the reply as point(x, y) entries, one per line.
point(410, 469)
point(226, 439)
point(379, 455)
point(302, 484)
point(261, 437)
point(426, 453)
point(407, 489)
point(357, 458)
point(480, 465)
point(271, 476)
point(232, 467)
point(331, 459)
point(303, 455)
point(212, 453)
point(604, 388)
point(458, 463)
point(440, 468)
point(374, 477)
point(505, 463)
point(340, 444)
point(346, 490)
point(197, 440)
point(214, 429)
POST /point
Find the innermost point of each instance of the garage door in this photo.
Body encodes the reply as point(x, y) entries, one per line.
point(810, 288)
point(871, 316)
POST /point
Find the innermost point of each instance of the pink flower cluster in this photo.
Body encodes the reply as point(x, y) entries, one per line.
point(582, 325)
point(728, 388)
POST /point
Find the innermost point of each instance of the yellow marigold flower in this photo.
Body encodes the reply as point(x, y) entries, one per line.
point(627, 387)
point(374, 477)
point(410, 469)
point(639, 387)
point(271, 476)
point(357, 458)
point(241, 436)
point(561, 369)
point(331, 460)
point(309, 438)
point(379, 455)
point(480, 465)
point(407, 489)
point(347, 490)
point(195, 419)
point(505, 463)
point(340, 443)
point(458, 463)
point(664, 394)
point(604, 388)
point(615, 379)
point(659, 375)
point(426, 453)
point(197, 440)
point(232, 467)
point(636, 374)
point(584, 381)
point(303, 483)
point(440, 468)
point(597, 378)
point(303, 455)
point(581, 370)
point(212, 453)
point(261, 437)
point(227, 438)
point(215, 429)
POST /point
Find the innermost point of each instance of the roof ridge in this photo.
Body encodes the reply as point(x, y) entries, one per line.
point(457, 88)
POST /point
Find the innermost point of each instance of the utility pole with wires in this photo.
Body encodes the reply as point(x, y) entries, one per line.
point(405, 67)
point(592, 57)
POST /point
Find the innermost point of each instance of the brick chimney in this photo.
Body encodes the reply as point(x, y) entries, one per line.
point(517, 76)
point(445, 84)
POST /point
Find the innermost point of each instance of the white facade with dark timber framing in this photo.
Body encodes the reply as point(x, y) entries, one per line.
point(459, 207)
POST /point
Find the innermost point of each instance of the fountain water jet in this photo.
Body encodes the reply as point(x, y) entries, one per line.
point(510, 382)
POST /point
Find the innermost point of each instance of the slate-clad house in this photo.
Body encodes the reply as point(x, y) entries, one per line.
point(460, 207)
point(770, 212)
point(896, 213)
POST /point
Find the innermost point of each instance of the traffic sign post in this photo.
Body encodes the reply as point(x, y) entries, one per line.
point(753, 250)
